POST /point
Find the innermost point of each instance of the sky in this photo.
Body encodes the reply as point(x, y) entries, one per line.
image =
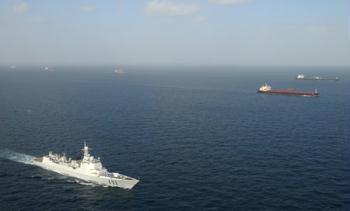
point(175, 32)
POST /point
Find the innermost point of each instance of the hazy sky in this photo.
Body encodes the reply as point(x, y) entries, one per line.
point(189, 32)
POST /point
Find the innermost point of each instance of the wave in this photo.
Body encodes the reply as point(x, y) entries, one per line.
point(16, 156)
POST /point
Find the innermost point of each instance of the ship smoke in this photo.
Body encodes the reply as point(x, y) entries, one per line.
point(15, 156)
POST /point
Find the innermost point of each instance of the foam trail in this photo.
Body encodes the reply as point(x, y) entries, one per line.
point(15, 156)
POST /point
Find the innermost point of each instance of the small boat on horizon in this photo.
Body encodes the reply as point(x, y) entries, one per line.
point(119, 71)
point(302, 77)
point(48, 69)
point(266, 89)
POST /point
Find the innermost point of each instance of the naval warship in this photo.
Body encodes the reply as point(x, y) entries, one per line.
point(88, 169)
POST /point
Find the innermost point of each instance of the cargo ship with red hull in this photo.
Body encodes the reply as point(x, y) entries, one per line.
point(266, 89)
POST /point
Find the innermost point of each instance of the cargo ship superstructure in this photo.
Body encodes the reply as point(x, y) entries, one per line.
point(266, 89)
point(88, 169)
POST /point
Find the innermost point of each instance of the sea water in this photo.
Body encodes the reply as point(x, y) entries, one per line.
point(197, 137)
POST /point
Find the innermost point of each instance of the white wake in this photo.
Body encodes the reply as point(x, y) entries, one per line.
point(15, 156)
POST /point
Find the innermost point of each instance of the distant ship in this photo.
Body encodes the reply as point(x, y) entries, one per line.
point(266, 89)
point(88, 169)
point(48, 69)
point(119, 71)
point(302, 77)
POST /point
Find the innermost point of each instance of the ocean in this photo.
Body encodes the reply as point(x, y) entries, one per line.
point(197, 137)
